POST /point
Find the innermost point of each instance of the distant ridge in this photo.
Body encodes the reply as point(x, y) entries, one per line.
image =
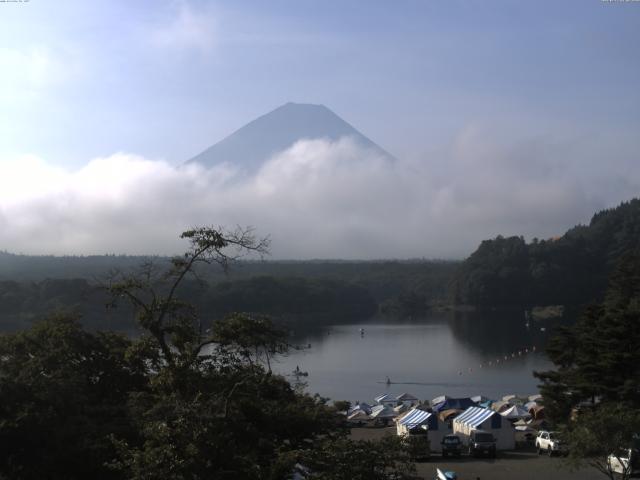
point(250, 146)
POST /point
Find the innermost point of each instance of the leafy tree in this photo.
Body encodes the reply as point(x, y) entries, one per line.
point(594, 393)
point(213, 409)
point(346, 459)
point(63, 391)
point(179, 402)
point(598, 358)
point(596, 434)
point(173, 324)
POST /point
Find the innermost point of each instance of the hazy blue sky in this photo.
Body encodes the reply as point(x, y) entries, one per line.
point(539, 93)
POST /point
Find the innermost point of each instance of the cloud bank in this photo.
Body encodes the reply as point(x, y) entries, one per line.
point(318, 199)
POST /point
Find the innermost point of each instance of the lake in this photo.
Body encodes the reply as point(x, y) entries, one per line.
point(457, 354)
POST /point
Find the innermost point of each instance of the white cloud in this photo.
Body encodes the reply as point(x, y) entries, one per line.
point(318, 199)
point(29, 70)
point(186, 29)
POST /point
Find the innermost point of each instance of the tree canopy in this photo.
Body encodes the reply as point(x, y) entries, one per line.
point(178, 402)
point(593, 395)
point(572, 269)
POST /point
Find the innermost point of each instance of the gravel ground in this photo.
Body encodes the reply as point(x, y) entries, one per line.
point(512, 465)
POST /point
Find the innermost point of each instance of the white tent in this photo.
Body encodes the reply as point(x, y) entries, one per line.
point(515, 412)
point(476, 418)
point(515, 399)
point(365, 407)
point(401, 408)
point(408, 400)
point(440, 399)
point(419, 419)
point(479, 399)
point(382, 411)
point(500, 405)
point(525, 434)
point(358, 416)
point(386, 399)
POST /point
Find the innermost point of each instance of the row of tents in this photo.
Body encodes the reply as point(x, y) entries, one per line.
point(418, 421)
point(509, 419)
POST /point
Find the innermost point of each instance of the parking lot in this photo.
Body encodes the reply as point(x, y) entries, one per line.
point(512, 465)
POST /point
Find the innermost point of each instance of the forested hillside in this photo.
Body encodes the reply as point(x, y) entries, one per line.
point(309, 291)
point(569, 270)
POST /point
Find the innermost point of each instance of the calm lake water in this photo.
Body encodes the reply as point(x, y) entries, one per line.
point(441, 354)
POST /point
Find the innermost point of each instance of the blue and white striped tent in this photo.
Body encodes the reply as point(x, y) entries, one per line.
point(416, 419)
point(478, 418)
point(474, 416)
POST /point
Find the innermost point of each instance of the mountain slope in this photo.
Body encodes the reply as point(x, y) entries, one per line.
point(276, 131)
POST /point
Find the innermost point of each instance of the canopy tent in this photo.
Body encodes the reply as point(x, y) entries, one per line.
point(514, 413)
point(525, 434)
point(386, 399)
point(382, 411)
point(474, 416)
point(407, 396)
point(358, 416)
point(500, 405)
point(535, 398)
point(365, 407)
point(479, 399)
point(440, 399)
point(515, 400)
point(448, 415)
point(419, 419)
point(537, 412)
point(477, 418)
point(408, 399)
point(457, 403)
point(416, 417)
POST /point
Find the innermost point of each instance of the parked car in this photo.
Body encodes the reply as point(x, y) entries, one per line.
point(625, 461)
point(482, 443)
point(451, 445)
point(550, 443)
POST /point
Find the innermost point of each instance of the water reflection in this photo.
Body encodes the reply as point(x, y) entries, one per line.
point(454, 354)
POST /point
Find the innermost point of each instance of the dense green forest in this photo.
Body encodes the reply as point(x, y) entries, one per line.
point(291, 291)
point(288, 299)
point(570, 270)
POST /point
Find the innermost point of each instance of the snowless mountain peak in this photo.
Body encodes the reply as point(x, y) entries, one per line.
point(250, 146)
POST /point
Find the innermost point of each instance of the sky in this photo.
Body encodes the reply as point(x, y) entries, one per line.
point(512, 118)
